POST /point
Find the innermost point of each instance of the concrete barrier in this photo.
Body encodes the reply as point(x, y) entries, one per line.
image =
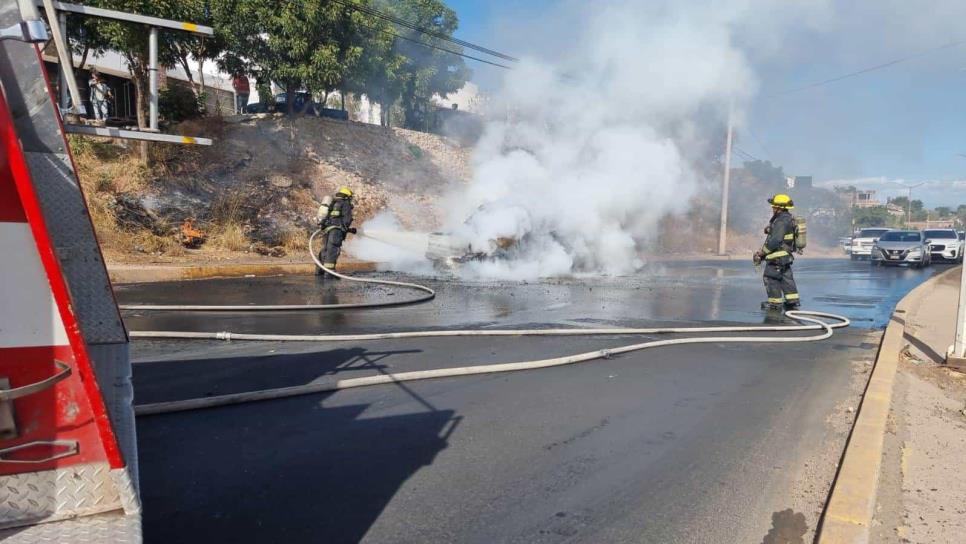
point(154, 273)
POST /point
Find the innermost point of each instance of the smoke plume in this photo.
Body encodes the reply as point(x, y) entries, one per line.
point(585, 152)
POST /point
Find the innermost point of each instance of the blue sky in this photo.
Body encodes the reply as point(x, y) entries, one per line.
point(902, 124)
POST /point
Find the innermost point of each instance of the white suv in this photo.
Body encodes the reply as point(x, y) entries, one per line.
point(863, 241)
point(944, 244)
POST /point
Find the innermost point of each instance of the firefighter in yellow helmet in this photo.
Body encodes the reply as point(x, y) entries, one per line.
point(778, 256)
point(335, 220)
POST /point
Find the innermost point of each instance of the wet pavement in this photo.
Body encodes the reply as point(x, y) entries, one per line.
point(688, 443)
point(693, 291)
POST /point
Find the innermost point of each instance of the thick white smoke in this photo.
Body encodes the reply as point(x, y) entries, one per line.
point(583, 155)
point(582, 168)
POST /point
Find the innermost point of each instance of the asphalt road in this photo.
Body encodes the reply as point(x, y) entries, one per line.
point(703, 443)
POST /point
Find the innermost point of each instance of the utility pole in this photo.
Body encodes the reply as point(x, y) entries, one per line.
point(153, 79)
point(723, 229)
point(909, 188)
point(956, 356)
point(64, 98)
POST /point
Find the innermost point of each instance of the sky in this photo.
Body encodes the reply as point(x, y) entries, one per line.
point(903, 124)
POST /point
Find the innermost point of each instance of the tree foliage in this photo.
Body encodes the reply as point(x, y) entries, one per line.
point(317, 46)
point(876, 216)
point(427, 71)
point(322, 46)
point(131, 40)
point(766, 172)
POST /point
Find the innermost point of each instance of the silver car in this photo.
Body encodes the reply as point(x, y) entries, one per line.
point(901, 247)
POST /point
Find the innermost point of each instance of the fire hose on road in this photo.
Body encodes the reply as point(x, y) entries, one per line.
point(809, 321)
point(428, 294)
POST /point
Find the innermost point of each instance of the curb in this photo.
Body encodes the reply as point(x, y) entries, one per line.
point(149, 274)
point(851, 506)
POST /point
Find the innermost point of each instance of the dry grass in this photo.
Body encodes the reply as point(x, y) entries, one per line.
point(227, 208)
point(295, 241)
point(227, 230)
point(106, 168)
point(229, 236)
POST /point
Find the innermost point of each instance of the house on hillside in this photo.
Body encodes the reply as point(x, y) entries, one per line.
point(932, 224)
point(860, 198)
point(799, 182)
point(220, 97)
point(895, 210)
point(457, 115)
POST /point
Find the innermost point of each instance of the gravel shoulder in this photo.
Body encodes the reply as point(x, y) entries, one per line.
point(922, 490)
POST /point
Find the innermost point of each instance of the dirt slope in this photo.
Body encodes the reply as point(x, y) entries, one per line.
point(255, 191)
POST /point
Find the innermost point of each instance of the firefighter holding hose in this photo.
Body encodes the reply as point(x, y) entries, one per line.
point(785, 236)
point(335, 222)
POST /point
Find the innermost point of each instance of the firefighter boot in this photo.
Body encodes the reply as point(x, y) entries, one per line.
point(772, 306)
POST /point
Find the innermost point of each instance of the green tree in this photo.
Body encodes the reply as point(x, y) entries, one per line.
point(314, 45)
point(766, 172)
point(199, 48)
point(943, 211)
point(426, 71)
point(876, 216)
point(900, 201)
point(131, 40)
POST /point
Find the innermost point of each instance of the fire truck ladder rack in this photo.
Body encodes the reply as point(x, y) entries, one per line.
point(68, 81)
point(68, 448)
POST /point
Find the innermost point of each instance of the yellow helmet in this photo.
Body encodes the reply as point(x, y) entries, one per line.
point(781, 201)
point(345, 191)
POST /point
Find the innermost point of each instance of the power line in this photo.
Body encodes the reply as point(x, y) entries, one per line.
point(464, 55)
point(745, 155)
point(429, 32)
point(867, 70)
point(761, 145)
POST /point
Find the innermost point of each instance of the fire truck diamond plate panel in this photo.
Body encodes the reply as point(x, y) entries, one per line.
point(77, 248)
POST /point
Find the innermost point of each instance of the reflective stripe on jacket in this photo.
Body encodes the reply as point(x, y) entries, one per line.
point(780, 242)
point(340, 213)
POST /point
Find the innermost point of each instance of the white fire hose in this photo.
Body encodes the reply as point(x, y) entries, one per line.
point(429, 294)
point(809, 320)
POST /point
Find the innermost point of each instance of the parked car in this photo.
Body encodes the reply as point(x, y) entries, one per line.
point(901, 247)
point(863, 241)
point(258, 107)
point(944, 244)
point(303, 103)
point(846, 244)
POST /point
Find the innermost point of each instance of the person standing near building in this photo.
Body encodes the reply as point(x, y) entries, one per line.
point(778, 255)
point(242, 91)
point(100, 93)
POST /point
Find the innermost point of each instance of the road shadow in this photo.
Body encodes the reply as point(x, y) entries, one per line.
point(919, 344)
point(289, 470)
point(159, 381)
point(925, 349)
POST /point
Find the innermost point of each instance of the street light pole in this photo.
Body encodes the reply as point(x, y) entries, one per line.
point(957, 354)
point(723, 228)
point(909, 188)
